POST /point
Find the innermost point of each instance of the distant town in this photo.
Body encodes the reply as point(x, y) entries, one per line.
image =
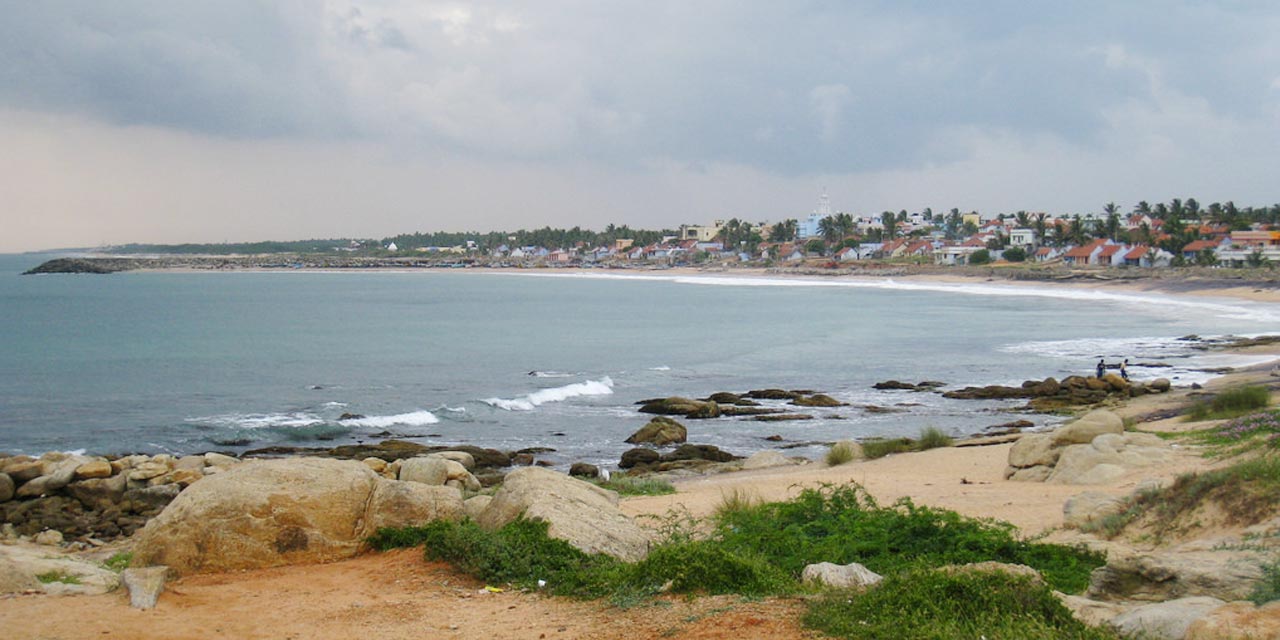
point(1177, 233)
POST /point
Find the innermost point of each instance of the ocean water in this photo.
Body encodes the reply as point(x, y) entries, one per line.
point(192, 362)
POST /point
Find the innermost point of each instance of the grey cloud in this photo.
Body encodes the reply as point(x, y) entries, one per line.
point(623, 84)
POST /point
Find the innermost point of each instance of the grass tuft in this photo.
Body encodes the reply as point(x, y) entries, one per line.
point(118, 562)
point(840, 453)
point(881, 447)
point(637, 486)
point(1267, 589)
point(58, 576)
point(933, 438)
point(1231, 403)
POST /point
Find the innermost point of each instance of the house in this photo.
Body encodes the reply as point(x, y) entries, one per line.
point(1193, 249)
point(894, 248)
point(847, 254)
point(1084, 254)
point(1110, 255)
point(1023, 237)
point(700, 233)
point(392, 247)
point(560, 257)
point(1144, 256)
point(921, 248)
point(956, 254)
point(1046, 254)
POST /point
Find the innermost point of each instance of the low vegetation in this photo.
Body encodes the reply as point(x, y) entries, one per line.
point(119, 561)
point(637, 486)
point(58, 576)
point(933, 438)
point(930, 438)
point(1268, 589)
point(840, 453)
point(1231, 403)
point(1245, 493)
point(929, 604)
point(1252, 432)
point(757, 549)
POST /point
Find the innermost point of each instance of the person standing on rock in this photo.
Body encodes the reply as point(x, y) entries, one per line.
point(1102, 367)
point(1124, 369)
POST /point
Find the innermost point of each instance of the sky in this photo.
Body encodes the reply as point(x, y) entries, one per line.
point(175, 121)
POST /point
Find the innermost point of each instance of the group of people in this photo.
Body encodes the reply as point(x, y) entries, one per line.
point(1123, 367)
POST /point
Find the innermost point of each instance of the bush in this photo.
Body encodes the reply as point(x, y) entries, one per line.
point(933, 605)
point(1015, 254)
point(933, 438)
point(981, 256)
point(1267, 589)
point(1231, 403)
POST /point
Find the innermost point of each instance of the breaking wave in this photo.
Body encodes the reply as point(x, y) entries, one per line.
point(411, 419)
point(602, 387)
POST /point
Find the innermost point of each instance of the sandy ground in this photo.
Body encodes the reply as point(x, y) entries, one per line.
point(400, 595)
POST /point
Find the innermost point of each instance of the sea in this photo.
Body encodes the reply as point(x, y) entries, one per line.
point(550, 360)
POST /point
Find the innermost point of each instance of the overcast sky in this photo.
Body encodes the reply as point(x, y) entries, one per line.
point(176, 121)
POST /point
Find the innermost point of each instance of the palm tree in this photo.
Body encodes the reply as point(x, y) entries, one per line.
point(1076, 231)
point(1112, 228)
point(829, 229)
point(1142, 208)
point(784, 231)
point(890, 221)
point(1023, 218)
point(953, 222)
point(1040, 226)
point(844, 222)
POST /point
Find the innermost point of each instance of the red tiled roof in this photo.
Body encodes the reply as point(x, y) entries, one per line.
point(1199, 245)
point(1109, 250)
point(1137, 252)
point(1044, 251)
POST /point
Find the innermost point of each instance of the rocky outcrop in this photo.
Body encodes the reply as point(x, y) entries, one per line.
point(1236, 621)
point(1167, 574)
point(276, 512)
point(584, 470)
point(660, 431)
point(580, 513)
point(766, 459)
point(1051, 395)
point(1089, 508)
point(849, 576)
point(896, 385)
point(677, 406)
point(772, 394)
point(637, 457)
point(818, 400)
point(1164, 621)
point(1094, 449)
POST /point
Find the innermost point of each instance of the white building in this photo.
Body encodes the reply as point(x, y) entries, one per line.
point(809, 226)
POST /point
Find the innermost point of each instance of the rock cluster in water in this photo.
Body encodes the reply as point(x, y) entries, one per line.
point(1051, 395)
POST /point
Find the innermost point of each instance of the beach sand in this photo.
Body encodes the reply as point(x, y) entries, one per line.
point(400, 595)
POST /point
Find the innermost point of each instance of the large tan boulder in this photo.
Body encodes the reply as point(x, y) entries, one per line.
point(1164, 620)
point(1236, 620)
point(1088, 427)
point(1089, 507)
point(276, 512)
point(431, 470)
point(580, 513)
point(660, 430)
point(406, 504)
point(1033, 449)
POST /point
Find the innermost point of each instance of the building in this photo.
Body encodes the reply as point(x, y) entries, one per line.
point(1022, 237)
point(811, 226)
point(700, 233)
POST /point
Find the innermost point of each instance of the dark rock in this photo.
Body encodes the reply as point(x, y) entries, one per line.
point(584, 470)
point(783, 417)
point(543, 463)
point(522, 459)
point(735, 411)
point(660, 431)
point(150, 500)
point(99, 493)
point(6, 487)
point(774, 438)
point(638, 456)
point(699, 452)
point(990, 392)
point(772, 394)
point(389, 450)
point(872, 408)
point(724, 398)
point(677, 406)
point(817, 400)
point(894, 385)
point(351, 416)
point(536, 450)
point(1161, 385)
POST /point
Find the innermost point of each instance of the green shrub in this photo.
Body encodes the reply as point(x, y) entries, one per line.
point(635, 486)
point(119, 561)
point(705, 566)
point(1267, 589)
point(839, 453)
point(1231, 403)
point(881, 447)
point(843, 524)
point(1015, 254)
point(933, 438)
point(932, 605)
point(981, 256)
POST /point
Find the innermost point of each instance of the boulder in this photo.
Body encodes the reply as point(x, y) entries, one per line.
point(1237, 620)
point(1159, 385)
point(194, 463)
point(49, 538)
point(894, 385)
point(1091, 612)
point(377, 465)
point(461, 457)
point(99, 493)
point(1163, 575)
point(1165, 620)
point(148, 499)
point(23, 469)
point(580, 513)
point(276, 512)
point(57, 474)
point(14, 578)
point(213, 459)
point(817, 400)
point(1033, 449)
point(1028, 474)
point(1089, 507)
point(725, 398)
point(475, 505)
point(766, 459)
point(148, 470)
point(849, 576)
point(431, 470)
point(772, 394)
point(699, 452)
point(1088, 427)
point(411, 504)
point(677, 406)
point(1078, 464)
point(638, 456)
point(660, 430)
point(93, 469)
point(584, 470)
point(144, 585)
point(6, 487)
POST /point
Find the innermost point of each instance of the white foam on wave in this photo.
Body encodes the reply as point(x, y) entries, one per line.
point(660, 368)
point(601, 387)
point(411, 419)
point(260, 420)
point(1256, 312)
point(550, 374)
point(334, 405)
